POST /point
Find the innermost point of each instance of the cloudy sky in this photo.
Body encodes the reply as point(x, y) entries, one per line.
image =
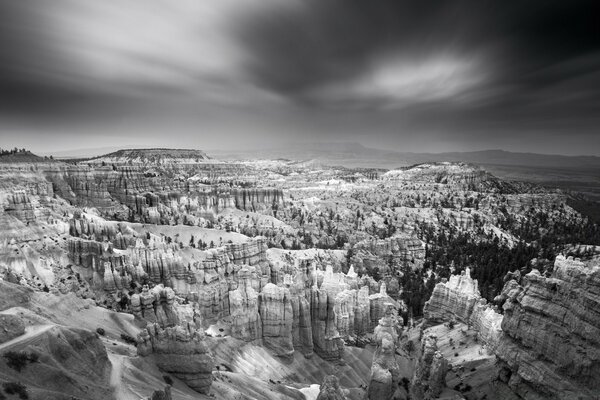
point(226, 74)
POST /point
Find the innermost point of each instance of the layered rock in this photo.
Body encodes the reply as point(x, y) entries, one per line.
point(430, 374)
point(552, 332)
point(180, 351)
point(19, 206)
point(277, 315)
point(453, 300)
point(404, 250)
point(246, 322)
point(326, 339)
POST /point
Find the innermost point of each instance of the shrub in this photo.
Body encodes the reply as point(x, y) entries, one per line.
point(168, 380)
point(34, 357)
point(128, 339)
point(100, 331)
point(16, 388)
point(16, 360)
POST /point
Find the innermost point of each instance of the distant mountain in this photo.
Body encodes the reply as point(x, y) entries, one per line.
point(356, 154)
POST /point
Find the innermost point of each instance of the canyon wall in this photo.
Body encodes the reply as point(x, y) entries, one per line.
point(547, 340)
point(551, 344)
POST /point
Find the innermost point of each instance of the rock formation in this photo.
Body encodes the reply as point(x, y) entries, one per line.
point(246, 322)
point(453, 300)
point(276, 313)
point(179, 350)
point(330, 389)
point(547, 339)
point(552, 332)
point(430, 374)
point(385, 372)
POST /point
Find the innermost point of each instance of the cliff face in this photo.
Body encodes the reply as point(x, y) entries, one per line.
point(132, 192)
point(181, 351)
point(404, 250)
point(287, 307)
point(547, 341)
point(453, 300)
point(552, 332)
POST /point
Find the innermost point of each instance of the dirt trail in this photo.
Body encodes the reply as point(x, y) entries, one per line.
point(30, 333)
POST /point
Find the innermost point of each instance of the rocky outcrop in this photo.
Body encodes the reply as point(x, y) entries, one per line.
point(380, 304)
point(385, 372)
point(180, 351)
point(547, 340)
point(19, 206)
point(330, 389)
point(403, 250)
point(430, 374)
point(246, 323)
point(276, 313)
point(551, 344)
point(453, 300)
point(326, 339)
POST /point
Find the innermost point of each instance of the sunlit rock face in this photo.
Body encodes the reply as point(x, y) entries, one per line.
point(430, 374)
point(277, 316)
point(135, 193)
point(453, 300)
point(552, 332)
point(246, 323)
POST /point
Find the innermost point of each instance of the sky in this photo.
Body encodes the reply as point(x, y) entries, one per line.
point(241, 74)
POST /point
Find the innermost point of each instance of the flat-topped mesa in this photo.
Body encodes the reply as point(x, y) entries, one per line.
point(429, 379)
point(151, 156)
point(179, 350)
point(551, 344)
point(458, 175)
point(453, 300)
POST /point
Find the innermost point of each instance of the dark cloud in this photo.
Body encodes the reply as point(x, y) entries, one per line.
point(527, 48)
point(387, 71)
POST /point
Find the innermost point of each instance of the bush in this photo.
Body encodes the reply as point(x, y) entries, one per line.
point(128, 339)
point(100, 331)
point(16, 360)
point(168, 380)
point(34, 357)
point(16, 388)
